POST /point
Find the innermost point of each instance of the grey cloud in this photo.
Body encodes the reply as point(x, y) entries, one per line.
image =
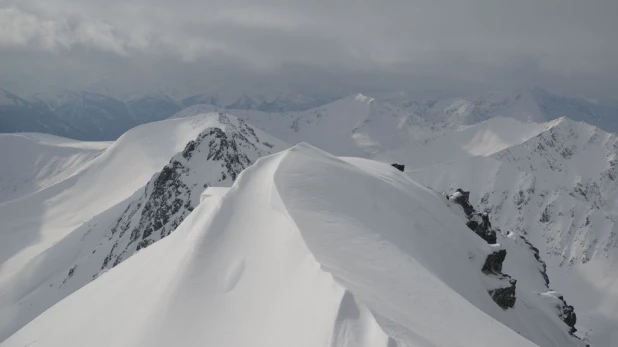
point(20, 29)
point(550, 41)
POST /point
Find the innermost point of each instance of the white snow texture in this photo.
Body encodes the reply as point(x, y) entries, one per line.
point(247, 228)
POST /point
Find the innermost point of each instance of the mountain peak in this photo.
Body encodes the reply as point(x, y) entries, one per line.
point(297, 251)
point(8, 98)
point(362, 98)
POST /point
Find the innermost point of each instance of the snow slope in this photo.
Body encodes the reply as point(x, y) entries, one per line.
point(20, 115)
point(214, 158)
point(354, 126)
point(261, 98)
point(532, 105)
point(304, 250)
point(35, 222)
point(482, 139)
point(558, 189)
point(359, 125)
point(548, 187)
point(35, 161)
point(515, 169)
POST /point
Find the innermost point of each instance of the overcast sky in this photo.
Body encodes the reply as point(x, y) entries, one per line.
point(569, 46)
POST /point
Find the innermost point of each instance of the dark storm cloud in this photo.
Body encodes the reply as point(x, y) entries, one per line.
point(484, 41)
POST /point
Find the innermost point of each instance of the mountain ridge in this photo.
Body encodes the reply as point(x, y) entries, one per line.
point(214, 157)
point(217, 263)
point(546, 188)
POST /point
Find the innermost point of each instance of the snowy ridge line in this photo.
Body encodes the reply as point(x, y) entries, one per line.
point(506, 296)
point(354, 320)
point(493, 284)
point(45, 217)
point(241, 272)
point(173, 193)
point(37, 161)
point(559, 190)
point(310, 189)
point(223, 147)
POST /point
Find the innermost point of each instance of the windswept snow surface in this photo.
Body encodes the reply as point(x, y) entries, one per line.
point(533, 105)
point(559, 190)
point(483, 139)
point(214, 158)
point(35, 222)
point(354, 126)
point(33, 161)
point(340, 252)
point(304, 250)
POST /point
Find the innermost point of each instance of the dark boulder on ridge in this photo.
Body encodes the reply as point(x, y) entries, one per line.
point(399, 167)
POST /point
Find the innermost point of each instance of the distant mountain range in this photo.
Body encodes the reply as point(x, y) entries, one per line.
point(86, 115)
point(502, 229)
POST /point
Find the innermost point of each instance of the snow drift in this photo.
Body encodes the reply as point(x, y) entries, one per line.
point(356, 125)
point(306, 250)
point(34, 222)
point(558, 189)
point(32, 162)
point(215, 157)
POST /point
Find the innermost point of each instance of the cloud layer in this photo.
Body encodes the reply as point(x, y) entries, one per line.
point(477, 40)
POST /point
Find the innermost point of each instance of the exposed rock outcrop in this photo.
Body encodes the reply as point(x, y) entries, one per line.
point(399, 167)
point(477, 222)
point(537, 256)
point(493, 263)
point(565, 311)
point(505, 296)
point(216, 157)
point(504, 293)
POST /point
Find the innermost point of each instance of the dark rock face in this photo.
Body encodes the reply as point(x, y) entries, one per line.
point(493, 263)
point(505, 297)
point(462, 198)
point(164, 204)
point(477, 222)
point(537, 256)
point(399, 167)
point(565, 311)
point(568, 316)
point(174, 192)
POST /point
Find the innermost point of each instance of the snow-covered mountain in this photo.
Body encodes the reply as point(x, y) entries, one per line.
point(81, 115)
point(307, 249)
point(34, 222)
point(558, 190)
point(19, 115)
point(36, 161)
point(259, 99)
point(152, 107)
point(89, 115)
point(96, 115)
point(363, 126)
point(517, 170)
point(355, 126)
point(351, 245)
point(536, 105)
point(222, 147)
point(99, 116)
